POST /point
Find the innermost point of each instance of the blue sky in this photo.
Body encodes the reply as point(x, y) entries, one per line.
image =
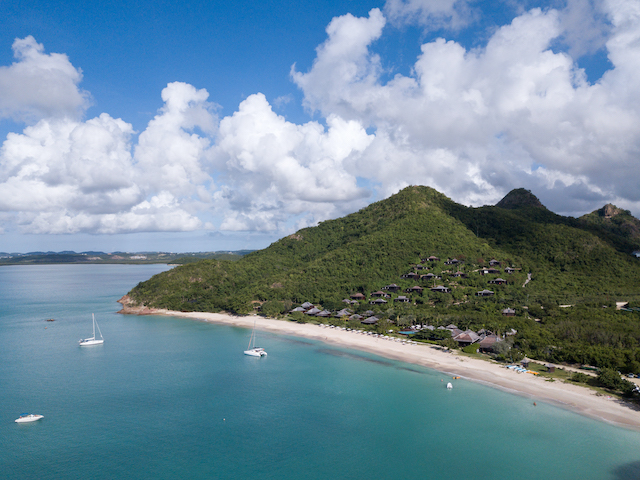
point(222, 126)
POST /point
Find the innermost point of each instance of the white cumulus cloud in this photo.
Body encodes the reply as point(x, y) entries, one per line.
point(66, 176)
point(274, 169)
point(40, 85)
point(477, 123)
point(472, 123)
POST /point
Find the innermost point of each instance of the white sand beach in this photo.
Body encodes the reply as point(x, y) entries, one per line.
point(566, 395)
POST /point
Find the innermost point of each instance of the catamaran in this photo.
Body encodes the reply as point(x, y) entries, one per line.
point(252, 350)
point(87, 342)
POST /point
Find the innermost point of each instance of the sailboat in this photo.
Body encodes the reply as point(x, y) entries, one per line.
point(252, 350)
point(87, 342)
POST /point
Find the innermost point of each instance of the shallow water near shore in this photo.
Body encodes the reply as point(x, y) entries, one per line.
point(176, 398)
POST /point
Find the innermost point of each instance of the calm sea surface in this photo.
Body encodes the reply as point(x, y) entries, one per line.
point(175, 398)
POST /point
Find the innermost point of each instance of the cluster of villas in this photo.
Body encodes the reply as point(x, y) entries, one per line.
point(383, 296)
point(485, 338)
point(310, 309)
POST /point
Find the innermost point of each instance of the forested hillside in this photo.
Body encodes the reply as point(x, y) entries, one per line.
point(584, 263)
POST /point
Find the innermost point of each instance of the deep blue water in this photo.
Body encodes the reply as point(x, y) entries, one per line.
point(176, 398)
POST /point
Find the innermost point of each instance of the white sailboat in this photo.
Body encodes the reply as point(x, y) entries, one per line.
point(87, 342)
point(252, 350)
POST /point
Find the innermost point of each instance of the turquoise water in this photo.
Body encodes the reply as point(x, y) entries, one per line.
point(174, 398)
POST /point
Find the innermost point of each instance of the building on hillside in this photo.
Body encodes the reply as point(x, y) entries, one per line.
point(487, 344)
point(466, 338)
point(460, 275)
point(509, 312)
point(313, 311)
point(489, 271)
point(440, 289)
point(509, 270)
point(493, 262)
point(432, 258)
point(402, 299)
point(455, 331)
point(370, 321)
point(350, 302)
point(410, 275)
point(429, 276)
point(498, 281)
point(307, 305)
point(357, 296)
point(415, 289)
point(453, 261)
point(392, 288)
point(380, 294)
point(484, 293)
point(378, 301)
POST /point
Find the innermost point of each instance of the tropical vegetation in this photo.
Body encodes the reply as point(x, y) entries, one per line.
point(568, 278)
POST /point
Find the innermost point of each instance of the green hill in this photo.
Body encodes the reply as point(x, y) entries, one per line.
point(619, 223)
point(569, 262)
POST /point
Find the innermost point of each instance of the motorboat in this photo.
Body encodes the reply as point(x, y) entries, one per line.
point(28, 417)
point(87, 342)
point(256, 352)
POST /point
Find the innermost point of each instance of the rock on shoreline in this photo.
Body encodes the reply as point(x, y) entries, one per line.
point(129, 307)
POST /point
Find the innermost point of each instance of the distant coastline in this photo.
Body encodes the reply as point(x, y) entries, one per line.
point(115, 258)
point(572, 397)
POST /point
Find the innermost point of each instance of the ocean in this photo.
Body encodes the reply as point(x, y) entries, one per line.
point(171, 398)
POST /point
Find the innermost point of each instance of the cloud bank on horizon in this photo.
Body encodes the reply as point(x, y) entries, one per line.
point(471, 123)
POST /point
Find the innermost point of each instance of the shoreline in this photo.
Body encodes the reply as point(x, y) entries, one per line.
point(565, 395)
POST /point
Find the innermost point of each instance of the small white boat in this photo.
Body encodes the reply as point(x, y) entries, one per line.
point(87, 342)
point(252, 350)
point(28, 417)
point(256, 352)
point(449, 386)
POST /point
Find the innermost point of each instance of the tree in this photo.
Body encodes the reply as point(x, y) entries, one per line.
point(611, 379)
point(272, 309)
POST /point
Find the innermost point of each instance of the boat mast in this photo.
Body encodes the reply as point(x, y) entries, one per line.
point(99, 331)
point(251, 339)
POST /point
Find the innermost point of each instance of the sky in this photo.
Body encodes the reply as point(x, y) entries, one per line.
point(200, 126)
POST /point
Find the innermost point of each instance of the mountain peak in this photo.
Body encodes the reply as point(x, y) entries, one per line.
point(610, 210)
point(519, 198)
